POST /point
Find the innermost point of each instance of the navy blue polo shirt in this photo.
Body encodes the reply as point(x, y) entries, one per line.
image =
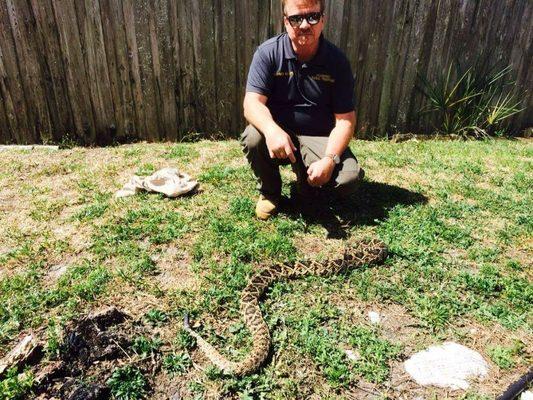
point(302, 97)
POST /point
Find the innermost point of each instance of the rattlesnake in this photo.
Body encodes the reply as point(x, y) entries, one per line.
point(364, 252)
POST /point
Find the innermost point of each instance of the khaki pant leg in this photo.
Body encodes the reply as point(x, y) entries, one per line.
point(347, 174)
point(265, 169)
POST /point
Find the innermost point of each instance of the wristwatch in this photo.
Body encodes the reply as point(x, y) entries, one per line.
point(334, 157)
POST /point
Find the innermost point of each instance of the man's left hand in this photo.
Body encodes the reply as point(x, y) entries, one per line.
point(319, 173)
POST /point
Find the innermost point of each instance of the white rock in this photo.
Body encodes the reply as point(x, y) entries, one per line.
point(374, 317)
point(527, 395)
point(56, 271)
point(352, 355)
point(448, 366)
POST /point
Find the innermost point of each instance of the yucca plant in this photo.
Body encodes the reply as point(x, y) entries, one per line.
point(471, 101)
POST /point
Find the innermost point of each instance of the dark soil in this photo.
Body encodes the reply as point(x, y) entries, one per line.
point(92, 348)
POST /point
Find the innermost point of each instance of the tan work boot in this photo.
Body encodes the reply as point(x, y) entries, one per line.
point(266, 206)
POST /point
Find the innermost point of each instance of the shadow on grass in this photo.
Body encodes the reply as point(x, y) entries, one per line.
point(370, 204)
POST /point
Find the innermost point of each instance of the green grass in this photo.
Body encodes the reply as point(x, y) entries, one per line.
point(455, 215)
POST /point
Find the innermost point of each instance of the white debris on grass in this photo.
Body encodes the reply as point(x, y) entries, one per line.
point(168, 181)
point(56, 271)
point(352, 355)
point(527, 395)
point(26, 347)
point(374, 317)
point(450, 365)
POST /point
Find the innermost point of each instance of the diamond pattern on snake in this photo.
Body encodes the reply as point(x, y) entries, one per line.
point(364, 252)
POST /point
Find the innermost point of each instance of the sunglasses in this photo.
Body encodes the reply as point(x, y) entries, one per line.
point(311, 18)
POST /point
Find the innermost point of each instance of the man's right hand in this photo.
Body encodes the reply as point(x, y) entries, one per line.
point(278, 142)
point(280, 145)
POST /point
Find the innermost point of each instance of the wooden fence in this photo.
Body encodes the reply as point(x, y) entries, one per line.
point(98, 70)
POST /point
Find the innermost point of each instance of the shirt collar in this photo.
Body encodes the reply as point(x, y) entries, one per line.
point(319, 58)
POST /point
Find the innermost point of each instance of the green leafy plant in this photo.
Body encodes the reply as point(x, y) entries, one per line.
point(128, 383)
point(177, 363)
point(15, 386)
point(144, 346)
point(375, 353)
point(53, 344)
point(504, 357)
point(156, 317)
point(184, 340)
point(471, 101)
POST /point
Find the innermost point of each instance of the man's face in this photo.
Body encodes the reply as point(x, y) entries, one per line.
point(305, 35)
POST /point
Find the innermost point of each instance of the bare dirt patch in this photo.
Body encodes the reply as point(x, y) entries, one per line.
point(174, 273)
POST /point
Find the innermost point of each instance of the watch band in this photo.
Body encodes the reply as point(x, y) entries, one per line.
point(334, 157)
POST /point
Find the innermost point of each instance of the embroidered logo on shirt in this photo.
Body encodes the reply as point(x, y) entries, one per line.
point(283, 73)
point(323, 78)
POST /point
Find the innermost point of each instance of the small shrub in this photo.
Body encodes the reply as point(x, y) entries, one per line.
point(177, 363)
point(144, 346)
point(128, 383)
point(15, 386)
point(503, 357)
point(184, 340)
point(156, 317)
point(53, 344)
point(471, 101)
point(375, 354)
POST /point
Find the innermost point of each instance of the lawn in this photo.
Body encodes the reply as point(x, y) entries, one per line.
point(456, 216)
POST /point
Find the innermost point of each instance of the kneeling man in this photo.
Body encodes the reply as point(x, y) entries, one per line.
point(299, 104)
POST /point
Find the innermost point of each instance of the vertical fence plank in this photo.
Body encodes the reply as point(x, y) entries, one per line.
point(5, 130)
point(240, 53)
point(522, 58)
point(119, 70)
point(226, 71)
point(55, 83)
point(13, 90)
point(388, 79)
point(247, 15)
point(156, 79)
point(202, 15)
point(69, 38)
point(134, 74)
point(168, 69)
point(22, 26)
point(433, 41)
point(263, 25)
point(108, 43)
point(89, 20)
point(9, 125)
point(5, 108)
point(413, 42)
point(143, 26)
point(184, 54)
point(334, 18)
point(276, 18)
